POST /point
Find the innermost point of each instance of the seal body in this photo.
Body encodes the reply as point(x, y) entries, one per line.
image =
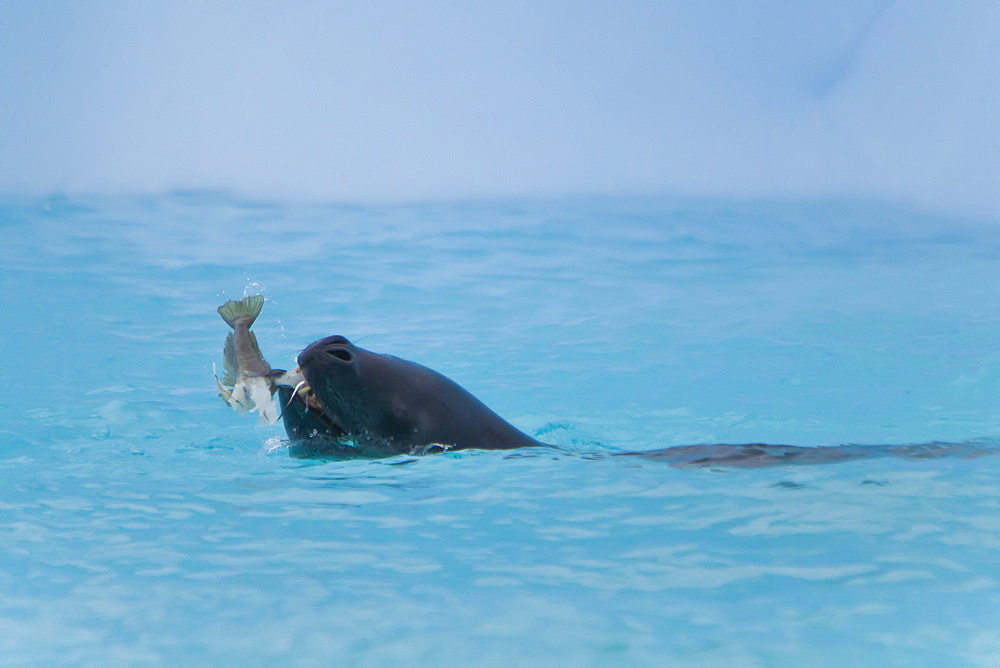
point(362, 403)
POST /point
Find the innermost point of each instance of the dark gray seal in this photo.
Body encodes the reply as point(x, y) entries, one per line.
point(360, 403)
point(356, 403)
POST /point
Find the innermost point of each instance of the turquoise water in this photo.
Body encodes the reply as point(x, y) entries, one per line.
point(142, 521)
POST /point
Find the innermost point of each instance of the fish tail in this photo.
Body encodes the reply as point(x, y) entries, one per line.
point(246, 308)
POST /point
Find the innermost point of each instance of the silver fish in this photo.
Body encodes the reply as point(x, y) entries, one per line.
point(248, 381)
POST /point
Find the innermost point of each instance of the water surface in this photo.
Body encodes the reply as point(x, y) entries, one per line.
point(143, 521)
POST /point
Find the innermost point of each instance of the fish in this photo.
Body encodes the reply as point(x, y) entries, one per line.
point(248, 382)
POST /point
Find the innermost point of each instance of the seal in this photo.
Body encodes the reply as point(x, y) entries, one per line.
point(359, 403)
point(345, 402)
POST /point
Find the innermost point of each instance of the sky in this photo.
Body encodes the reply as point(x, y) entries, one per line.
point(362, 101)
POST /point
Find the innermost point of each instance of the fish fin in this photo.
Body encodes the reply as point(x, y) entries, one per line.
point(226, 395)
point(248, 307)
point(230, 366)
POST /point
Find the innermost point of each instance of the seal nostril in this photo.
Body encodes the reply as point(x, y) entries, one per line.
point(340, 354)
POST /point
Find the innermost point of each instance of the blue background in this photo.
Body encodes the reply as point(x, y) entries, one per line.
point(400, 100)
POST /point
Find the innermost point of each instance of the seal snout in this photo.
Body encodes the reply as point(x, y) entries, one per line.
point(332, 349)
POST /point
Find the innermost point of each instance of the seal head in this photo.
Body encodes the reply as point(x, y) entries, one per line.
point(368, 404)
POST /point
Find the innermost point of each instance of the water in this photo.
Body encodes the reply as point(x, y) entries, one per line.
point(142, 521)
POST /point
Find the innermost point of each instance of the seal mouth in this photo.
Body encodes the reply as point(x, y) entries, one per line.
point(302, 391)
